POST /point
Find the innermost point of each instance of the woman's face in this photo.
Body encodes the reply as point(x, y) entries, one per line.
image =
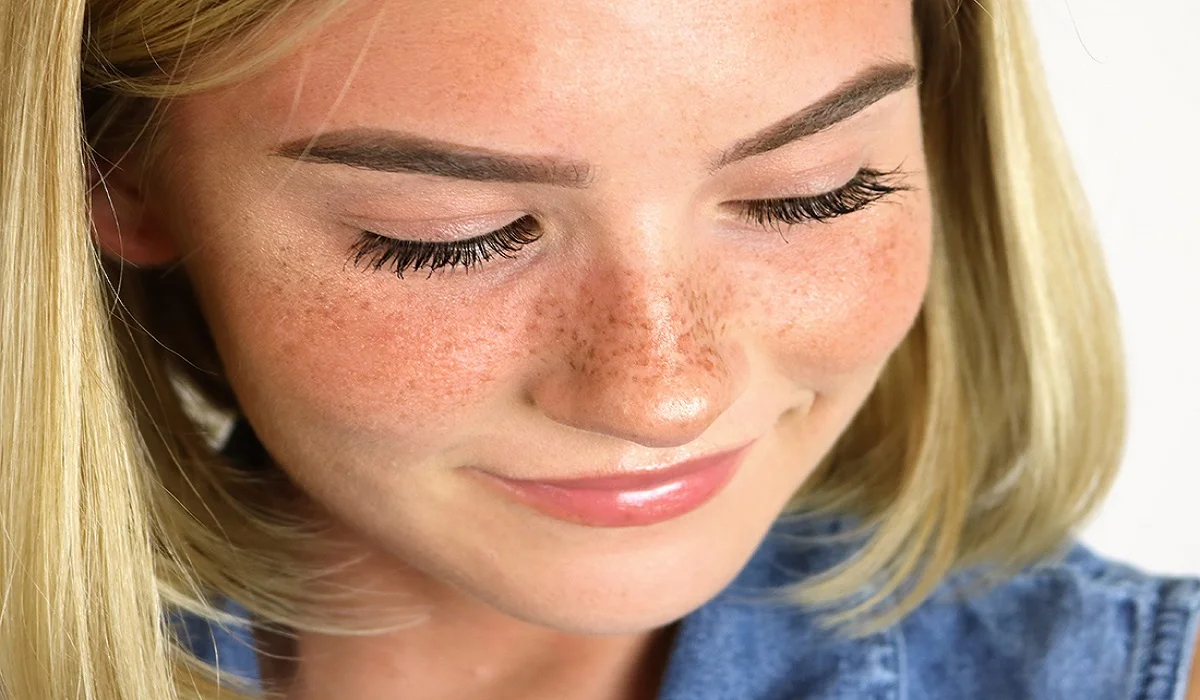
point(646, 310)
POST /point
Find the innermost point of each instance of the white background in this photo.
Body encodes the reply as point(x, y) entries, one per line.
point(1125, 75)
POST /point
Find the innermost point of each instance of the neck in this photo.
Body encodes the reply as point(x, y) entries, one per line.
point(450, 661)
point(458, 648)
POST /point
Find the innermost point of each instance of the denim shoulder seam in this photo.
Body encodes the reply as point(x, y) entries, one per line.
point(884, 673)
point(1167, 641)
point(900, 646)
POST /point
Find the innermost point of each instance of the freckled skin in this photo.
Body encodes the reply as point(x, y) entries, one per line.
point(644, 327)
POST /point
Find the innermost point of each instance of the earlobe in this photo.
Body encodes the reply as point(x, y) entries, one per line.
point(121, 226)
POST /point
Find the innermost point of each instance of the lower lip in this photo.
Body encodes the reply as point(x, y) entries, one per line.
point(628, 505)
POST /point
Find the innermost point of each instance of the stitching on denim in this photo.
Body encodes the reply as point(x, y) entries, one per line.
point(1171, 617)
point(900, 643)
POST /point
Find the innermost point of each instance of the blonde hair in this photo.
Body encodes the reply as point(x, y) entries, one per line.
point(994, 431)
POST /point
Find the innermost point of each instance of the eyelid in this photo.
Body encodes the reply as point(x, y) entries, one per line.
point(435, 230)
point(783, 182)
point(791, 186)
point(399, 255)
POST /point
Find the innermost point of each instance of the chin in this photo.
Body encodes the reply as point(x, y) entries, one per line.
point(615, 587)
point(636, 609)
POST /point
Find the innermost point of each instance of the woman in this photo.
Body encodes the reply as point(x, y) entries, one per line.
point(634, 349)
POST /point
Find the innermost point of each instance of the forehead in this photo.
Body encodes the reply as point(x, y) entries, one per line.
point(518, 72)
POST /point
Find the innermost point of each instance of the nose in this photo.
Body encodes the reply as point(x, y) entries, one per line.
point(642, 353)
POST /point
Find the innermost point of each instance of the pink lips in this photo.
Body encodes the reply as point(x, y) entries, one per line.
point(628, 500)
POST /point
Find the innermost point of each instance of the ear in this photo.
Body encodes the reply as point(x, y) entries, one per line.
point(121, 225)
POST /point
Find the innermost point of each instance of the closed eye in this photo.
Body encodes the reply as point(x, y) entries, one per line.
point(382, 252)
point(397, 256)
point(864, 189)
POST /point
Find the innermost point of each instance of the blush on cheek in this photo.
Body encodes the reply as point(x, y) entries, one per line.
point(846, 306)
point(343, 361)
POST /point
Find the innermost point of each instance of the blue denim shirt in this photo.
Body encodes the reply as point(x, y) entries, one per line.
point(1079, 627)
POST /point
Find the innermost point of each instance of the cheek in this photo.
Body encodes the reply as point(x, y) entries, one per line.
point(356, 355)
point(846, 296)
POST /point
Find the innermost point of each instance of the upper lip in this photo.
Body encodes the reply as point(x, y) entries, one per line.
point(641, 478)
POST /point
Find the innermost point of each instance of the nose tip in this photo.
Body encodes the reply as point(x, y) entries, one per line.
point(653, 411)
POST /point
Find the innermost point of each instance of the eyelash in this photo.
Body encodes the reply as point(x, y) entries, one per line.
point(400, 255)
point(864, 189)
point(378, 252)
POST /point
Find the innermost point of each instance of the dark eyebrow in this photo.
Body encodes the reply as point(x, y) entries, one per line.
point(847, 100)
point(397, 152)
